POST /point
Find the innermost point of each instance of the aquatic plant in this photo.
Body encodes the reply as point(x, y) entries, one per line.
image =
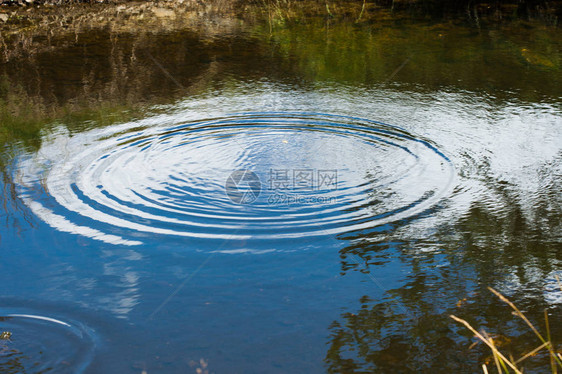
point(508, 364)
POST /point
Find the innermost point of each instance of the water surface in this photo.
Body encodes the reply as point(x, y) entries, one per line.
point(280, 197)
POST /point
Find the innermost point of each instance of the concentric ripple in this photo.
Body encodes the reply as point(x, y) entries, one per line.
point(317, 174)
point(40, 344)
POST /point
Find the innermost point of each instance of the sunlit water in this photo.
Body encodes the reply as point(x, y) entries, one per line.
point(266, 226)
point(320, 175)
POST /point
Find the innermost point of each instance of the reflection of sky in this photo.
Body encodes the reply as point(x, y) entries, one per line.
point(172, 184)
point(122, 269)
point(486, 141)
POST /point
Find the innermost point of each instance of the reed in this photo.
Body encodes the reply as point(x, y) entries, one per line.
point(507, 365)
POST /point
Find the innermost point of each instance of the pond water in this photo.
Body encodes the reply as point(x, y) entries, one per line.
point(287, 195)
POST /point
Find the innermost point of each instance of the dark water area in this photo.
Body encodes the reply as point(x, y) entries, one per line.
point(275, 193)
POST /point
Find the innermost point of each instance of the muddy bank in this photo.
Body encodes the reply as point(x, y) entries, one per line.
point(126, 16)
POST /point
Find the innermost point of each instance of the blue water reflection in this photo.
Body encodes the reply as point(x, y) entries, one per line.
point(126, 233)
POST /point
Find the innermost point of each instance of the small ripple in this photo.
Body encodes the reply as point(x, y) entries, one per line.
point(43, 344)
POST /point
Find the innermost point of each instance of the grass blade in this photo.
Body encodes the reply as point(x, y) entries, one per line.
point(492, 346)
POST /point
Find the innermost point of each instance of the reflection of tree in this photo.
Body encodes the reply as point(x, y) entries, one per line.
point(112, 76)
point(513, 247)
point(436, 55)
point(379, 338)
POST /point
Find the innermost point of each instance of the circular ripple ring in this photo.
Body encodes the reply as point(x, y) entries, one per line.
point(311, 175)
